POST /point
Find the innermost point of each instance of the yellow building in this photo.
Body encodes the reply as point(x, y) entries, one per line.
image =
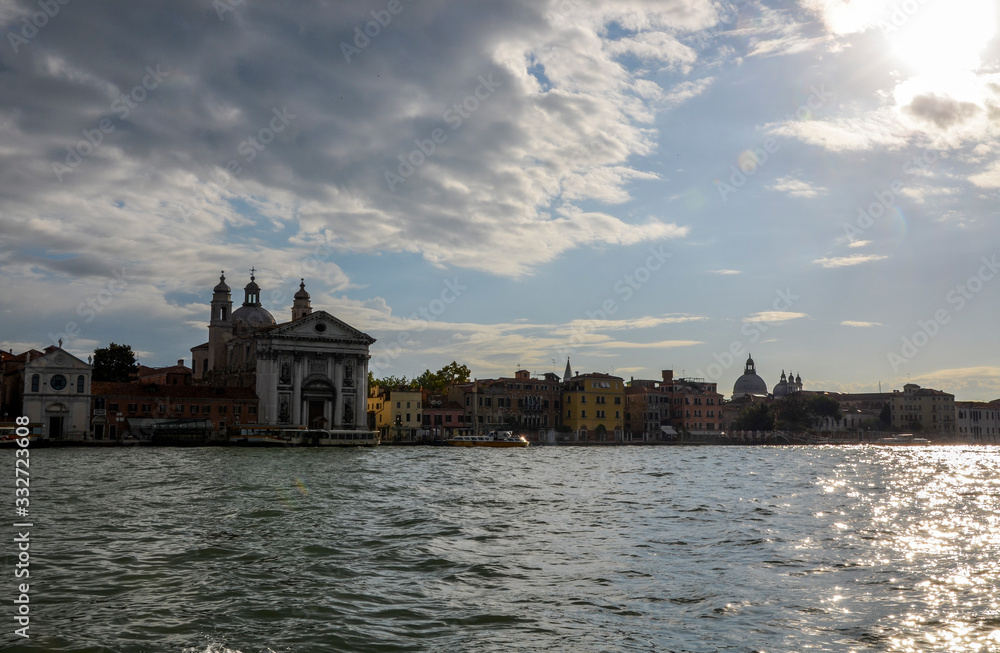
point(923, 409)
point(397, 413)
point(594, 407)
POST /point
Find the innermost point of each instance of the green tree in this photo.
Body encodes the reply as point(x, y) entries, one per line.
point(444, 378)
point(115, 363)
point(757, 417)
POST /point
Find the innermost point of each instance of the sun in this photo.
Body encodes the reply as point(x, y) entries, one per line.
point(936, 38)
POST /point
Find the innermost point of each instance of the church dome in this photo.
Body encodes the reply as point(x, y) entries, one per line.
point(781, 389)
point(252, 317)
point(749, 383)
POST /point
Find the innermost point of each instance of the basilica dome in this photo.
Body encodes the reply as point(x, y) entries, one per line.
point(749, 383)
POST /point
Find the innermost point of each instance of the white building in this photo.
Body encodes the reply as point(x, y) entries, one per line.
point(978, 421)
point(57, 394)
point(311, 371)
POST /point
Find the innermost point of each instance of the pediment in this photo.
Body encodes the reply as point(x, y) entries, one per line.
point(322, 326)
point(58, 359)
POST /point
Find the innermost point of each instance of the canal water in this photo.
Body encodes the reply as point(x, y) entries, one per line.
point(695, 549)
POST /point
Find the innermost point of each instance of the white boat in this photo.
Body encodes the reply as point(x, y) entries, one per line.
point(492, 439)
point(903, 440)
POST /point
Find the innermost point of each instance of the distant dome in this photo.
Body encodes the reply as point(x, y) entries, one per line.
point(749, 383)
point(781, 389)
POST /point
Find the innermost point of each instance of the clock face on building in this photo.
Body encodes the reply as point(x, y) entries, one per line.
point(57, 382)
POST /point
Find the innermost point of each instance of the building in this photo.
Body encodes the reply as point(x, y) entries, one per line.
point(443, 418)
point(56, 394)
point(697, 407)
point(594, 407)
point(397, 413)
point(12, 382)
point(647, 409)
point(311, 371)
point(132, 410)
point(978, 421)
point(177, 374)
point(923, 409)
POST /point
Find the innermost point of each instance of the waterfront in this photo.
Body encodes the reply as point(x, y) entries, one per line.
point(849, 548)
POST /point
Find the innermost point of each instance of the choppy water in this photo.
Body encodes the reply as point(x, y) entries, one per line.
point(544, 549)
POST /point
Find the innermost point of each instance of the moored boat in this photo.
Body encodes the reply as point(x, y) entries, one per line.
point(492, 439)
point(903, 440)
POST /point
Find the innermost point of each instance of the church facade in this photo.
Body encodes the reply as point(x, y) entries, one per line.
point(311, 371)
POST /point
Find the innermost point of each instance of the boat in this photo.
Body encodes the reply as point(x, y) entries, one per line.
point(903, 440)
point(491, 439)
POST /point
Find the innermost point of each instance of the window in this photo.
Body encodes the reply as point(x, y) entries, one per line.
point(113, 408)
point(99, 402)
point(251, 410)
point(618, 401)
point(447, 419)
point(206, 409)
point(79, 384)
point(237, 410)
point(34, 383)
point(57, 382)
point(194, 409)
point(222, 410)
point(407, 405)
point(133, 408)
point(583, 413)
point(162, 408)
point(407, 417)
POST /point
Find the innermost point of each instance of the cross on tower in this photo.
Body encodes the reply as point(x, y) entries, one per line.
point(252, 270)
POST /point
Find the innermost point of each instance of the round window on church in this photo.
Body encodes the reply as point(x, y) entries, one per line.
point(57, 382)
point(320, 328)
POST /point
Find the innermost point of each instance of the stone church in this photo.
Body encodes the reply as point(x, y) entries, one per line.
point(310, 371)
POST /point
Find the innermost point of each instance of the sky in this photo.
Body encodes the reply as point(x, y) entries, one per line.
point(633, 185)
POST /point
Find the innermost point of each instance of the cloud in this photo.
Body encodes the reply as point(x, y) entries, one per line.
point(941, 111)
point(774, 317)
point(452, 134)
point(852, 323)
point(989, 178)
point(845, 261)
point(725, 272)
point(797, 187)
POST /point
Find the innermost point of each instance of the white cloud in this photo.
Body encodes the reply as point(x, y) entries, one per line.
point(845, 261)
point(853, 323)
point(797, 187)
point(774, 317)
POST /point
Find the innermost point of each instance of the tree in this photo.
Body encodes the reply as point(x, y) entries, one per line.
point(115, 363)
point(885, 417)
point(757, 417)
point(444, 378)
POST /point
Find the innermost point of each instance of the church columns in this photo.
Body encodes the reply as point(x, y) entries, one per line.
point(298, 403)
point(338, 383)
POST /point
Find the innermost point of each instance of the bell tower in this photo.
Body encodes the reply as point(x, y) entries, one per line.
point(220, 328)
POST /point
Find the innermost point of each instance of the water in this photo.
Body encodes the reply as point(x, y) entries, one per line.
point(696, 549)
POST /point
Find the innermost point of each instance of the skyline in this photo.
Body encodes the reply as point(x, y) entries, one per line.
point(636, 185)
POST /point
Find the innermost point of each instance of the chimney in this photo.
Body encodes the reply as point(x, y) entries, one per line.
point(180, 362)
